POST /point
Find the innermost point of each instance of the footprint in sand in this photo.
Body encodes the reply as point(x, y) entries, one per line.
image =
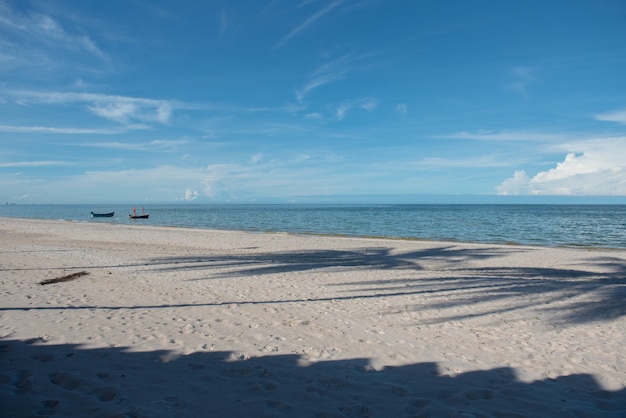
point(24, 384)
point(44, 358)
point(49, 407)
point(65, 380)
point(105, 394)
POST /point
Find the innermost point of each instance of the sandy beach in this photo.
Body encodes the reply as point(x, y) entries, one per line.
point(107, 320)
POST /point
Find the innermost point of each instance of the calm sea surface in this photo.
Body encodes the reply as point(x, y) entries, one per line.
point(545, 225)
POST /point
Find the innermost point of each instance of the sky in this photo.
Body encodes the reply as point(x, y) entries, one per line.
point(311, 100)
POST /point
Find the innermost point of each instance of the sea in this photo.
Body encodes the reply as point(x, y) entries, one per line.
point(558, 225)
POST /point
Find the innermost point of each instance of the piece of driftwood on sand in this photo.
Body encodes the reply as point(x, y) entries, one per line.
point(67, 278)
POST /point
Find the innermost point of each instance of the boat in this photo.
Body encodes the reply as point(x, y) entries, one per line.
point(142, 216)
point(102, 215)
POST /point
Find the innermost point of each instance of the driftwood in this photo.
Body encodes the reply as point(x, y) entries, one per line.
point(67, 278)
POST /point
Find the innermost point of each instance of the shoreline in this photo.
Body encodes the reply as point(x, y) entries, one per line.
point(336, 235)
point(176, 321)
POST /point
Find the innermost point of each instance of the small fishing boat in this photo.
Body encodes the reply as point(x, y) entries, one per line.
point(136, 216)
point(102, 215)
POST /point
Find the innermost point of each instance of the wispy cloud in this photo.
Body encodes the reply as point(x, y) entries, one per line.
point(402, 108)
point(129, 111)
point(446, 163)
point(522, 78)
point(126, 111)
point(618, 116)
point(327, 73)
point(335, 70)
point(57, 130)
point(38, 34)
point(256, 158)
point(156, 145)
point(308, 22)
point(275, 177)
point(224, 23)
point(367, 103)
point(35, 164)
point(505, 136)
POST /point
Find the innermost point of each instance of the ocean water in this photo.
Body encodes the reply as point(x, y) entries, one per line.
point(544, 225)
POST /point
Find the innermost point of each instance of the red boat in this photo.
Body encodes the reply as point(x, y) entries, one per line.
point(135, 216)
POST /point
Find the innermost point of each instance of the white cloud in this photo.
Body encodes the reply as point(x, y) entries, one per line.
point(593, 167)
point(335, 70)
point(34, 164)
point(55, 130)
point(219, 182)
point(191, 195)
point(330, 72)
point(618, 116)
point(117, 111)
point(318, 81)
point(156, 145)
point(445, 163)
point(309, 21)
point(516, 185)
point(162, 183)
point(503, 136)
point(402, 109)
point(42, 36)
point(224, 23)
point(523, 77)
point(295, 175)
point(573, 165)
point(130, 111)
point(367, 103)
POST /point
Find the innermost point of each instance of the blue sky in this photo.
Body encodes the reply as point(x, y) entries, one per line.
point(310, 101)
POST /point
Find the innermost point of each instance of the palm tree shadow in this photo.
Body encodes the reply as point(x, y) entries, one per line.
point(72, 381)
point(572, 295)
point(298, 261)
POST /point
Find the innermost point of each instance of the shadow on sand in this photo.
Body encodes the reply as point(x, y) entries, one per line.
point(447, 275)
point(43, 379)
point(294, 261)
point(582, 295)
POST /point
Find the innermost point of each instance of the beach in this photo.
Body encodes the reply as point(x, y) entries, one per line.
point(125, 320)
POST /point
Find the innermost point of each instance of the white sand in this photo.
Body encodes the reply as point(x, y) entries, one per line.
point(185, 323)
